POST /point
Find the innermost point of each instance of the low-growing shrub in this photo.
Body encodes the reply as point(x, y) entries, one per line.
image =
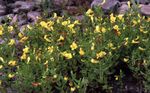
point(63, 55)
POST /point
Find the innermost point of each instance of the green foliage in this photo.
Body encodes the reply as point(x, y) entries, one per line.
point(67, 55)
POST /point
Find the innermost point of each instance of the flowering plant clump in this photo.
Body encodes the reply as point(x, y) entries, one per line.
point(64, 55)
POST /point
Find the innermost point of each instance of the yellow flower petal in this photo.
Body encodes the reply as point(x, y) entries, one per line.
point(73, 46)
point(12, 63)
point(67, 55)
point(81, 52)
point(101, 54)
point(11, 42)
point(94, 61)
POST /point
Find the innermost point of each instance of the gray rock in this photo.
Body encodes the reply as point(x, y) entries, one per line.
point(123, 9)
point(33, 15)
point(20, 6)
point(145, 10)
point(109, 5)
point(96, 3)
point(22, 22)
point(143, 1)
point(60, 3)
point(2, 10)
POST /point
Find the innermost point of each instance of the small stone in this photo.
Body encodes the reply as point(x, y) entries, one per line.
point(96, 3)
point(2, 10)
point(33, 15)
point(142, 1)
point(123, 9)
point(60, 3)
point(22, 6)
point(108, 5)
point(22, 22)
point(72, 10)
point(145, 10)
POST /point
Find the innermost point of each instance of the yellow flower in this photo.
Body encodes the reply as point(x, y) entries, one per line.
point(10, 28)
point(28, 60)
point(71, 26)
point(94, 61)
point(0, 82)
point(92, 18)
point(125, 59)
point(1, 66)
point(70, 83)
point(64, 23)
point(52, 59)
point(11, 75)
point(29, 27)
point(126, 41)
point(112, 18)
point(93, 46)
point(142, 30)
point(65, 78)
point(110, 45)
point(101, 54)
point(67, 55)
point(61, 38)
point(11, 42)
point(135, 41)
point(129, 4)
point(1, 30)
point(73, 46)
point(50, 49)
point(20, 35)
point(89, 12)
point(2, 60)
point(46, 63)
point(81, 52)
point(116, 27)
point(97, 29)
point(43, 24)
point(12, 63)
point(103, 30)
point(72, 89)
point(76, 22)
point(120, 17)
point(55, 76)
point(142, 49)
point(49, 25)
point(46, 38)
point(24, 56)
point(26, 50)
point(55, 15)
point(134, 22)
point(116, 77)
point(23, 39)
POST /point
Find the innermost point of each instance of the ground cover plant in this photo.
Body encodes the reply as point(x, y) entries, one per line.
point(65, 55)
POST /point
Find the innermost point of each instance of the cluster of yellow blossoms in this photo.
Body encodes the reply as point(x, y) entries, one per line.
point(25, 51)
